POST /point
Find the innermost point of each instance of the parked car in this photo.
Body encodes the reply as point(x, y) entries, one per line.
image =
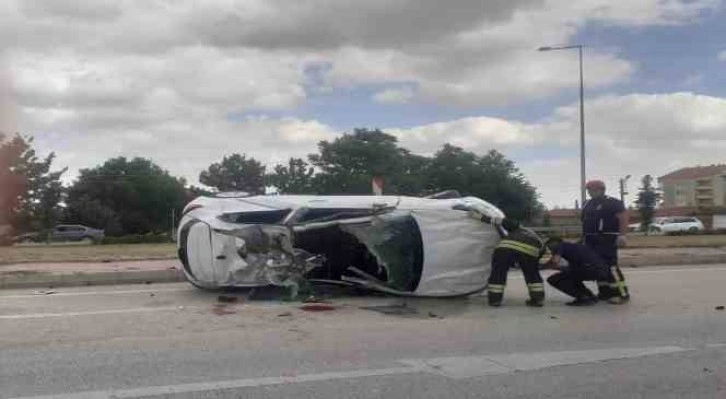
point(675, 225)
point(64, 232)
point(399, 245)
point(634, 227)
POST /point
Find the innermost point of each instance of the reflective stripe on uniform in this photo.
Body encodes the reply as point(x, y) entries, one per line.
point(520, 247)
point(496, 288)
point(536, 287)
point(619, 284)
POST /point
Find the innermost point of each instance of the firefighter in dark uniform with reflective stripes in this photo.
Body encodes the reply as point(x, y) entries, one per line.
point(583, 264)
point(604, 225)
point(519, 246)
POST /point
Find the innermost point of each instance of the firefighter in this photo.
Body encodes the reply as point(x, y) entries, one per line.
point(519, 247)
point(583, 264)
point(604, 227)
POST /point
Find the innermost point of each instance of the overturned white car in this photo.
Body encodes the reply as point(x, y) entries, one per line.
point(399, 245)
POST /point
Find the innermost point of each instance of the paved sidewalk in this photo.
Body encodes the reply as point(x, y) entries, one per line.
point(41, 275)
point(639, 257)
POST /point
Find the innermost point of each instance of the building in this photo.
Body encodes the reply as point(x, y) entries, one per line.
point(699, 186)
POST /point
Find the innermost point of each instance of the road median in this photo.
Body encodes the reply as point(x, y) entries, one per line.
point(65, 274)
point(68, 274)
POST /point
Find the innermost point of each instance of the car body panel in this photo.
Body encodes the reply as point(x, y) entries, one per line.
point(456, 249)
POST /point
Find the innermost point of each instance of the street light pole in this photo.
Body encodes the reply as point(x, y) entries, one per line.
point(582, 133)
point(583, 175)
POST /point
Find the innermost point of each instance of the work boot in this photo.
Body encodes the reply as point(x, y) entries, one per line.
point(495, 299)
point(535, 303)
point(583, 301)
point(619, 300)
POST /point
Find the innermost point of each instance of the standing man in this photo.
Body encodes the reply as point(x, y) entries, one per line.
point(604, 226)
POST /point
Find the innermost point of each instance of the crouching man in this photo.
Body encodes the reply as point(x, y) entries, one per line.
point(583, 265)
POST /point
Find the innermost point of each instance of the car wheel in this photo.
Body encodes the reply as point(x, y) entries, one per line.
point(693, 230)
point(87, 240)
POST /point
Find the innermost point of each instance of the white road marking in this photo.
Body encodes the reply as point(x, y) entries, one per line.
point(88, 313)
point(233, 384)
point(83, 293)
point(478, 366)
point(452, 367)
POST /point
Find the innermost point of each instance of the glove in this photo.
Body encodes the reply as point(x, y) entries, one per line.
point(622, 241)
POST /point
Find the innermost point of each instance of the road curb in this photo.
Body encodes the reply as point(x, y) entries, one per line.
point(674, 261)
point(32, 279)
point(43, 280)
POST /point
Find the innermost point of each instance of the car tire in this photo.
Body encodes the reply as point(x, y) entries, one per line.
point(693, 230)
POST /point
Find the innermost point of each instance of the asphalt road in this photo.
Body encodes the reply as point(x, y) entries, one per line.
point(174, 341)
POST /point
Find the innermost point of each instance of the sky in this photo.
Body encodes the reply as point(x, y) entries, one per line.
point(186, 82)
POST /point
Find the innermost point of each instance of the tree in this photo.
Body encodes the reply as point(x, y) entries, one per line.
point(31, 191)
point(126, 197)
point(491, 177)
point(647, 200)
point(348, 164)
point(235, 173)
point(294, 178)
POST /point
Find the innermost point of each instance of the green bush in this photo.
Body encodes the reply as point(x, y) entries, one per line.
point(137, 239)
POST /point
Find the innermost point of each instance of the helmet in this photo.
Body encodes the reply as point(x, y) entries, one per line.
point(595, 185)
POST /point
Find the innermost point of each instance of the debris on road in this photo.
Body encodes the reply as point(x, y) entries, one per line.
point(285, 314)
point(435, 316)
point(227, 299)
point(554, 317)
point(720, 307)
point(393, 310)
point(317, 307)
point(152, 294)
point(147, 282)
point(44, 292)
point(222, 310)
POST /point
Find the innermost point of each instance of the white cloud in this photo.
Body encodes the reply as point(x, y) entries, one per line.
point(721, 55)
point(634, 134)
point(401, 95)
point(97, 78)
point(186, 149)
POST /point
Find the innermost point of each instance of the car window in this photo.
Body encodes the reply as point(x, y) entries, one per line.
point(259, 217)
point(327, 214)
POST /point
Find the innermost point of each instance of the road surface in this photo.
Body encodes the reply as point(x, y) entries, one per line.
point(173, 341)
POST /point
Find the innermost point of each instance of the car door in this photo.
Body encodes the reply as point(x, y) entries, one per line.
point(59, 233)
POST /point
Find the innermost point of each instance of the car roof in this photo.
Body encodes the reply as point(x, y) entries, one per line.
point(269, 202)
